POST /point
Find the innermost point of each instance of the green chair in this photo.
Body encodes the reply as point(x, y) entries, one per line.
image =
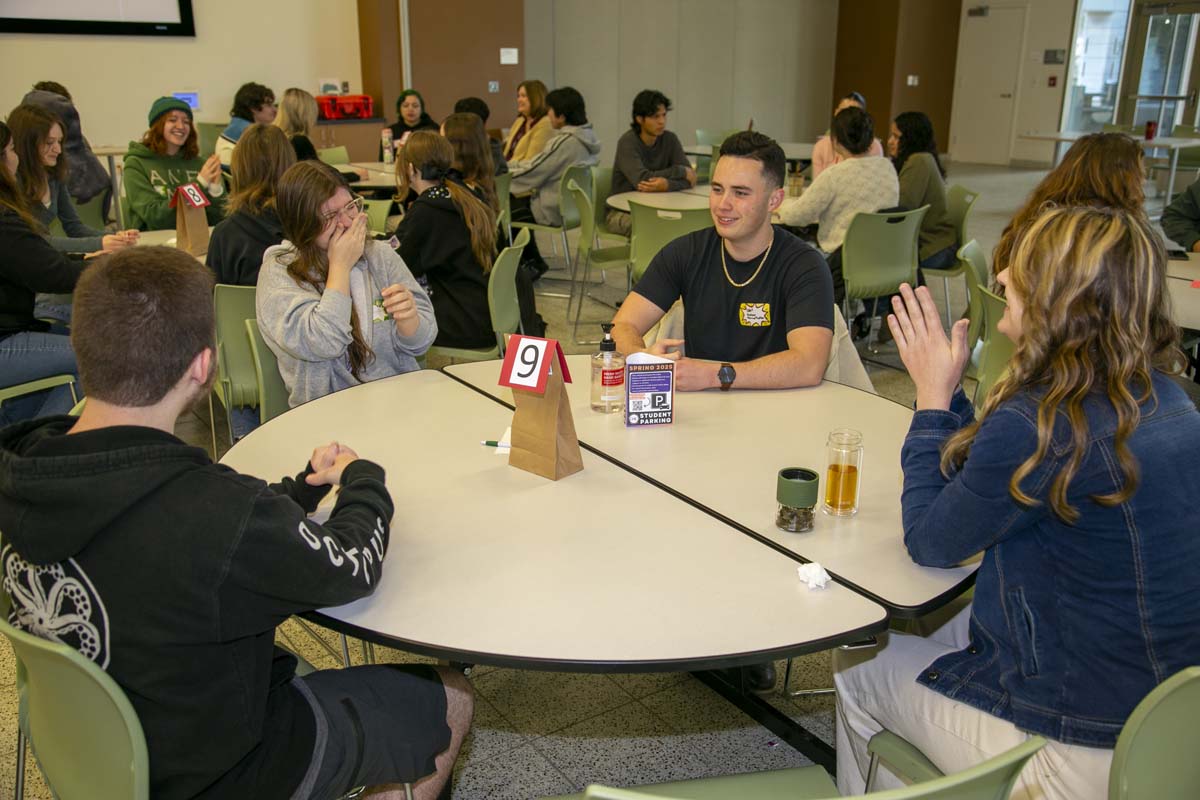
point(997, 348)
point(991, 780)
point(601, 189)
point(705, 164)
point(334, 155)
point(377, 214)
point(504, 199)
point(77, 409)
point(587, 254)
point(973, 262)
point(878, 254)
point(502, 303)
point(582, 175)
point(39, 385)
point(207, 133)
point(1155, 754)
point(272, 391)
point(236, 384)
point(959, 201)
point(653, 228)
point(83, 731)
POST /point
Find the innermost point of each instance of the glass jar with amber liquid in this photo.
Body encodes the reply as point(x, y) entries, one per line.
point(844, 474)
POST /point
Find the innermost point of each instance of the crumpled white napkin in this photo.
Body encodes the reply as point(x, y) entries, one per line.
point(813, 574)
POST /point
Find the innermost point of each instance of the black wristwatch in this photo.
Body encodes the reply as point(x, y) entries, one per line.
point(726, 375)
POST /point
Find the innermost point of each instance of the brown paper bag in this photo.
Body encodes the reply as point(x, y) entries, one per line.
point(543, 431)
point(191, 222)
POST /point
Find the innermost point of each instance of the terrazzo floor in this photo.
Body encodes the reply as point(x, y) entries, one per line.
point(541, 734)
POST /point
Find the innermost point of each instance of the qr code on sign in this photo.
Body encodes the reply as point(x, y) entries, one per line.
point(638, 404)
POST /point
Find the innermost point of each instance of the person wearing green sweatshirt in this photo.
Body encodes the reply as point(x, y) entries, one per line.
point(165, 159)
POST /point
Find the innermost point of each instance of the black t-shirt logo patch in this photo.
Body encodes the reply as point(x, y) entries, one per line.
point(754, 315)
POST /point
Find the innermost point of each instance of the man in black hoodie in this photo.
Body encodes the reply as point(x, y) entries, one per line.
point(171, 572)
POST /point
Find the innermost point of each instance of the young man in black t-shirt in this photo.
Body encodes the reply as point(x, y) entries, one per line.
point(758, 301)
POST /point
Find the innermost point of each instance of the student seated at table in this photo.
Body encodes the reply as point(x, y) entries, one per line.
point(87, 178)
point(472, 159)
point(28, 349)
point(859, 182)
point(336, 307)
point(922, 179)
point(476, 106)
point(410, 107)
point(535, 182)
point(1077, 482)
point(448, 237)
point(528, 134)
point(172, 573)
point(42, 175)
point(824, 154)
point(649, 157)
point(297, 118)
point(1102, 170)
point(165, 159)
point(253, 103)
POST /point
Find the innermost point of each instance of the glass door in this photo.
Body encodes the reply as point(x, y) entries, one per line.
point(1095, 68)
point(1161, 72)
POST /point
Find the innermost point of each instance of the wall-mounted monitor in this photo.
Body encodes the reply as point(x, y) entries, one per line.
point(98, 17)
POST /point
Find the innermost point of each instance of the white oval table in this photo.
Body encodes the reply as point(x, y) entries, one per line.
point(686, 200)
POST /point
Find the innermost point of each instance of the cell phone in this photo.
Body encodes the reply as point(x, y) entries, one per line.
point(1177, 254)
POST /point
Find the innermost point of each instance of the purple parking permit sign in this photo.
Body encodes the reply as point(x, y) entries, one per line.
point(649, 391)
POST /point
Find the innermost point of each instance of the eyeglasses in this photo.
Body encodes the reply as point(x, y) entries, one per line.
point(350, 210)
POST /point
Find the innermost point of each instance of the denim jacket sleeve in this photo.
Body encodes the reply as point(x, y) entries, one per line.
point(950, 519)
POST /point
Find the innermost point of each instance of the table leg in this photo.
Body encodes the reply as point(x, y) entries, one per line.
point(771, 718)
point(1171, 176)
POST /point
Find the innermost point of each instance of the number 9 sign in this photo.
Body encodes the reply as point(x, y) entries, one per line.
point(528, 361)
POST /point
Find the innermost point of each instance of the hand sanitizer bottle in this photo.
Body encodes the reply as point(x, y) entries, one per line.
point(608, 375)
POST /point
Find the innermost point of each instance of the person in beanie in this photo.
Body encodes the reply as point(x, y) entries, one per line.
point(166, 158)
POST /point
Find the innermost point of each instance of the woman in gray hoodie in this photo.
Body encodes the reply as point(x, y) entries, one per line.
point(336, 308)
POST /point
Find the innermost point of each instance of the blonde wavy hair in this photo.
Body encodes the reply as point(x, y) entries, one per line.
point(1096, 320)
point(298, 113)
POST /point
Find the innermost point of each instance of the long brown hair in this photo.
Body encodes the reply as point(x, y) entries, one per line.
point(155, 140)
point(261, 157)
point(1097, 322)
point(536, 91)
point(30, 126)
point(431, 155)
point(473, 154)
point(301, 192)
point(1100, 169)
point(10, 193)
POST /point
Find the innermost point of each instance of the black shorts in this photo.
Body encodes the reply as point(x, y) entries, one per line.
point(375, 725)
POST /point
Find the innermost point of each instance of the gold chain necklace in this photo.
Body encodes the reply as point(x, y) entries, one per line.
point(748, 281)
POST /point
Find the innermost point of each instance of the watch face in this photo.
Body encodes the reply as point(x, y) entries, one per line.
point(726, 374)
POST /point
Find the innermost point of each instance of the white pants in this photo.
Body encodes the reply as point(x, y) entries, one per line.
point(877, 689)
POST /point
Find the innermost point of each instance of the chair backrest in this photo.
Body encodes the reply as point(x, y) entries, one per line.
point(975, 272)
point(1155, 754)
point(85, 734)
point(1189, 157)
point(334, 155)
point(207, 134)
point(37, 385)
point(272, 391)
point(653, 228)
point(880, 252)
point(845, 365)
point(582, 175)
point(959, 200)
point(236, 384)
point(997, 348)
point(587, 221)
point(503, 196)
point(601, 189)
point(377, 214)
point(502, 289)
point(991, 780)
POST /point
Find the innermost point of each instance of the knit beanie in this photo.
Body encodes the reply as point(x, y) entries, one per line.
point(164, 104)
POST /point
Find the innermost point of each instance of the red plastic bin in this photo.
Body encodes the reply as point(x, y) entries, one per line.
point(346, 106)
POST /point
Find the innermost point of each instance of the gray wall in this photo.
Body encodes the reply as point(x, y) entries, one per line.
point(720, 61)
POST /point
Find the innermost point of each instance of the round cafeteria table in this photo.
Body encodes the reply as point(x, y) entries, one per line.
point(599, 571)
point(1185, 298)
point(686, 200)
point(723, 452)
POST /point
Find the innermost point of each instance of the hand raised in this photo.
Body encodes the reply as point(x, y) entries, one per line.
point(934, 362)
point(346, 245)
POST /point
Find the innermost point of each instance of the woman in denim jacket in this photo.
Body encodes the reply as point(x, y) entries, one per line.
point(1078, 482)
